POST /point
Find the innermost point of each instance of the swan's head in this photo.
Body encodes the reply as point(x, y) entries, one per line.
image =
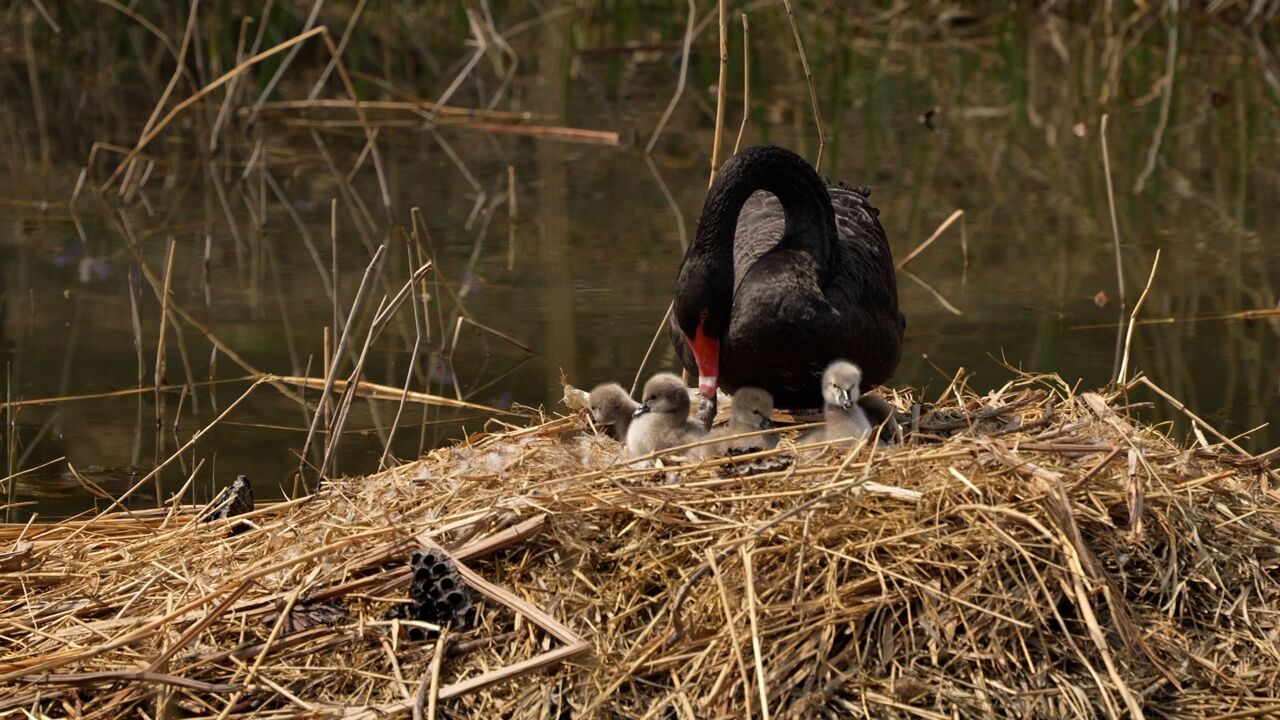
point(842, 384)
point(752, 408)
point(610, 404)
point(664, 393)
point(704, 297)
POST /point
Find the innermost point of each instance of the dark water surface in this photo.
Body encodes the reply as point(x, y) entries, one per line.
point(998, 117)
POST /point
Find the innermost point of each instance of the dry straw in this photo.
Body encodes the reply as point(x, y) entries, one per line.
point(1028, 552)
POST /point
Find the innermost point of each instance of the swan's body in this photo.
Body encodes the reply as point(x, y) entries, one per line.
point(751, 412)
point(785, 275)
point(612, 406)
point(662, 419)
point(847, 422)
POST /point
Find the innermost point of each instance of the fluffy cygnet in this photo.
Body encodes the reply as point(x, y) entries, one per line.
point(662, 420)
point(612, 406)
point(846, 420)
point(751, 410)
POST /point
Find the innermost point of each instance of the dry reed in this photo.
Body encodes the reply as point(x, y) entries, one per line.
point(1001, 561)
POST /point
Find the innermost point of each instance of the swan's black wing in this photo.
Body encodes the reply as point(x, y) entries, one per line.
point(760, 226)
point(864, 288)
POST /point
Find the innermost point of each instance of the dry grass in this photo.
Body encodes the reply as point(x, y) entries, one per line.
point(1029, 552)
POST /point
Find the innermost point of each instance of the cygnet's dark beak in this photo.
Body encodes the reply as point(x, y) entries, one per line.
point(766, 423)
point(641, 409)
point(846, 399)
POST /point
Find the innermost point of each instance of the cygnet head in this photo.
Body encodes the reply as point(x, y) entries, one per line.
point(752, 408)
point(841, 384)
point(664, 393)
point(610, 404)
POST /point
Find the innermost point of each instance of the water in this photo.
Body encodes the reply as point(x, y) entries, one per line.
point(999, 118)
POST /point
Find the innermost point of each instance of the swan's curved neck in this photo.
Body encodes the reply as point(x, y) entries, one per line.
point(810, 219)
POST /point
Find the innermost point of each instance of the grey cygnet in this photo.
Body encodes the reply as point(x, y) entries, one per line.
point(662, 419)
point(846, 420)
point(612, 406)
point(752, 408)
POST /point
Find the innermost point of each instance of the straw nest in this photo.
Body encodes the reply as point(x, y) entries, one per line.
point(1029, 552)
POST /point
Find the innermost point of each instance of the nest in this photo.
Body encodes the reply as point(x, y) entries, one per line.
point(1030, 552)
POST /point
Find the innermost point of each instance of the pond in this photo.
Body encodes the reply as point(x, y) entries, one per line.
point(554, 236)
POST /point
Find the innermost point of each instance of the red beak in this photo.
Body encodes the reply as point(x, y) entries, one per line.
point(706, 351)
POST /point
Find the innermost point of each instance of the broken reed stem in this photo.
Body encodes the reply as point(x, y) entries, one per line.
point(666, 318)
point(808, 76)
point(136, 325)
point(380, 320)
point(429, 689)
point(408, 376)
point(164, 318)
point(511, 218)
point(750, 581)
point(684, 73)
point(1111, 204)
point(326, 371)
point(730, 623)
point(8, 440)
point(1128, 337)
point(746, 83)
point(1115, 239)
point(159, 369)
point(337, 353)
point(951, 219)
point(333, 264)
point(721, 87)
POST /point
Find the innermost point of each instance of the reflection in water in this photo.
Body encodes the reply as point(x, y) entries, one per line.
point(998, 117)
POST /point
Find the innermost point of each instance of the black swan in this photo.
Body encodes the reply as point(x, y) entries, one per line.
point(784, 275)
point(612, 406)
point(662, 420)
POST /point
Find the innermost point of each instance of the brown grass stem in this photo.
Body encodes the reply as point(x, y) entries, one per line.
point(808, 76)
point(746, 83)
point(951, 219)
point(1128, 336)
point(512, 216)
point(380, 321)
point(722, 85)
point(757, 651)
point(374, 263)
